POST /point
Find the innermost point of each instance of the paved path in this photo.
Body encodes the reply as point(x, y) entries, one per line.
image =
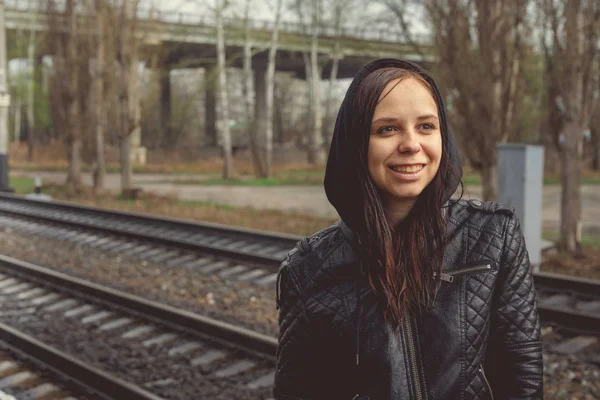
point(312, 199)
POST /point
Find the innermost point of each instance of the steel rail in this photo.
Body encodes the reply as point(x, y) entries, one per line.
point(543, 280)
point(283, 240)
point(82, 375)
point(219, 331)
point(570, 320)
point(558, 282)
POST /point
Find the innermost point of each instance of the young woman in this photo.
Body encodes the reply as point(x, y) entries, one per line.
point(412, 295)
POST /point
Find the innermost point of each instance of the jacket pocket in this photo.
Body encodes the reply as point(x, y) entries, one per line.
point(485, 382)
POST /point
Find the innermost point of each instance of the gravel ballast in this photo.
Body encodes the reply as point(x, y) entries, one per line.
point(565, 377)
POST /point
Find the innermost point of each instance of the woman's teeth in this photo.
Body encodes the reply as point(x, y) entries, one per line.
point(413, 169)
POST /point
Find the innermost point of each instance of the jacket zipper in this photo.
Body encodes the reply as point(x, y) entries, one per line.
point(486, 382)
point(468, 270)
point(449, 276)
point(413, 358)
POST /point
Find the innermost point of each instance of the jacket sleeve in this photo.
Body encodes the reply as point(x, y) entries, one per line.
point(515, 334)
point(294, 371)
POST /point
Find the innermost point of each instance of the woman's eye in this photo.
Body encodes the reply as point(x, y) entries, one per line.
point(428, 127)
point(384, 129)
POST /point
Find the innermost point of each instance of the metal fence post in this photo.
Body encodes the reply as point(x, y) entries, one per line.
point(520, 185)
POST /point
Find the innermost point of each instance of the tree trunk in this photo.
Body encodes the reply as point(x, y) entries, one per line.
point(315, 151)
point(270, 88)
point(126, 165)
point(279, 125)
point(74, 117)
point(223, 117)
point(259, 126)
point(247, 66)
point(100, 169)
point(329, 118)
point(135, 107)
point(30, 91)
point(570, 212)
point(252, 123)
point(18, 112)
point(596, 163)
point(578, 100)
point(74, 183)
point(489, 181)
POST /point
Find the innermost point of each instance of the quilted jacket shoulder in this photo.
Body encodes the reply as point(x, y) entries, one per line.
point(306, 259)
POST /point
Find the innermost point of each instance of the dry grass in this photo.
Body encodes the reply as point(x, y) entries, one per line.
point(267, 220)
point(278, 221)
point(52, 157)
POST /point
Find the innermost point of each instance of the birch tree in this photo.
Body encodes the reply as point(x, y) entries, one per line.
point(315, 139)
point(570, 39)
point(223, 101)
point(253, 131)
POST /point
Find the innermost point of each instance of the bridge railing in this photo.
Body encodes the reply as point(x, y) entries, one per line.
point(196, 19)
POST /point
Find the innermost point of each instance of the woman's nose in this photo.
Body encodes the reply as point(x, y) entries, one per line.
point(409, 143)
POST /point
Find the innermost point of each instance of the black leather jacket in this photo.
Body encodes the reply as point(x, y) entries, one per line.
point(480, 340)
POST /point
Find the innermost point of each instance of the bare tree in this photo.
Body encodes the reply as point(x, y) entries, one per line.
point(570, 39)
point(480, 46)
point(223, 101)
point(127, 59)
point(31, 47)
point(315, 150)
point(270, 88)
point(70, 62)
point(253, 131)
point(99, 86)
point(342, 10)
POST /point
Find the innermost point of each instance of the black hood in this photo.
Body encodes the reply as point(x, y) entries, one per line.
point(346, 164)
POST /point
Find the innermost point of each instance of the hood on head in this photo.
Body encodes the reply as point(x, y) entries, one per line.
point(346, 165)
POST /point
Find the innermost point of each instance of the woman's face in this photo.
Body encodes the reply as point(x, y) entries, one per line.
point(405, 145)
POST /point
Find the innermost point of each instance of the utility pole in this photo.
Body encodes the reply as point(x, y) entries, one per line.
point(4, 104)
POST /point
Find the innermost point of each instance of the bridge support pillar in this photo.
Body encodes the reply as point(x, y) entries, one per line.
point(210, 105)
point(260, 108)
point(165, 101)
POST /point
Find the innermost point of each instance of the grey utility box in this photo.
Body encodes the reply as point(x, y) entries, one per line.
point(520, 185)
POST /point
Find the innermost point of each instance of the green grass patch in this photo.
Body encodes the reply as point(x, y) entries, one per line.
point(192, 203)
point(22, 185)
point(279, 180)
point(110, 169)
point(260, 182)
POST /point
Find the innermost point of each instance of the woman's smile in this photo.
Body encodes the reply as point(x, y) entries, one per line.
point(407, 172)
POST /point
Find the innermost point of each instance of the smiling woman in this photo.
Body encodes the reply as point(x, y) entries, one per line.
point(405, 146)
point(412, 294)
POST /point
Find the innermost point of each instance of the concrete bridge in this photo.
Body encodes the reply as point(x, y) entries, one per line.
point(189, 41)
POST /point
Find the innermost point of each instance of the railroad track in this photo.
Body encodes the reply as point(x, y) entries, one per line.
point(25, 377)
point(214, 239)
point(239, 254)
point(123, 346)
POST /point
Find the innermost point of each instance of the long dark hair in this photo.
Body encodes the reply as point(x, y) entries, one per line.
point(403, 260)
